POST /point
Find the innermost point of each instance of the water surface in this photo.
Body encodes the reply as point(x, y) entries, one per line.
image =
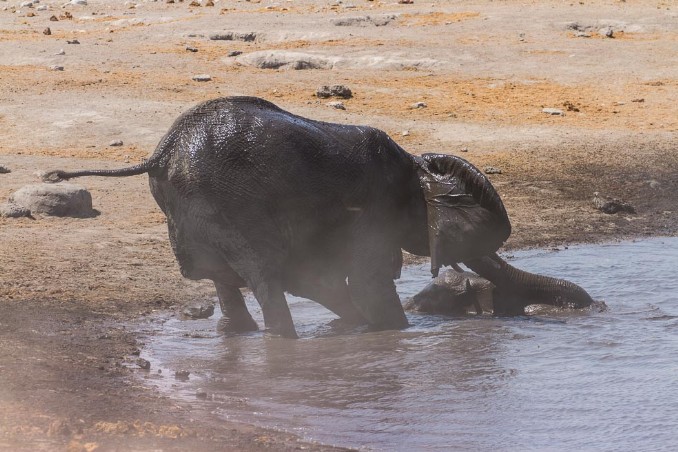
point(553, 380)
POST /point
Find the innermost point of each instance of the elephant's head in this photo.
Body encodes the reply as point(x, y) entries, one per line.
point(465, 216)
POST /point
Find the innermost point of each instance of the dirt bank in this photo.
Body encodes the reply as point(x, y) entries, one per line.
point(74, 293)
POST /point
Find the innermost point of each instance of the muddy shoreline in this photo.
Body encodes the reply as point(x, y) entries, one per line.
point(77, 296)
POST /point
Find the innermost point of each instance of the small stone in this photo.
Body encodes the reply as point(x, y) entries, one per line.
point(417, 105)
point(60, 52)
point(610, 205)
point(43, 8)
point(31, 14)
point(56, 67)
point(143, 363)
point(653, 184)
point(638, 100)
point(13, 210)
point(340, 91)
point(583, 34)
point(338, 105)
point(26, 5)
point(405, 133)
point(201, 394)
point(570, 106)
point(553, 111)
point(78, 2)
point(201, 78)
point(199, 310)
point(606, 32)
point(464, 149)
point(54, 19)
point(4, 170)
point(116, 143)
point(209, 3)
point(47, 31)
point(492, 170)
point(181, 375)
point(191, 49)
point(234, 53)
point(73, 41)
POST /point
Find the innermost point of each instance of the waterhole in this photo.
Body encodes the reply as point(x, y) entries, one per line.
point(552, 380)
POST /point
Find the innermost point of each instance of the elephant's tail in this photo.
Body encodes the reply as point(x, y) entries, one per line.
point(156, 161)
point(59, 175)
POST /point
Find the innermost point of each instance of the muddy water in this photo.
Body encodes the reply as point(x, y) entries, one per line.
point(553, 380)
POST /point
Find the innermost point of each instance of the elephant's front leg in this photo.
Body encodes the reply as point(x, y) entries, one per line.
point(273, 304)
point(236, 318)
point(371, 287)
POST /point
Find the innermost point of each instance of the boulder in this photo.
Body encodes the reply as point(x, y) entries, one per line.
point(62, 200)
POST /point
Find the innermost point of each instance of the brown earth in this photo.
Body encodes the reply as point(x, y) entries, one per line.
point(74, 293)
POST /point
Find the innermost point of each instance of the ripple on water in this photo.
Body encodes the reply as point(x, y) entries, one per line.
point(554, 380)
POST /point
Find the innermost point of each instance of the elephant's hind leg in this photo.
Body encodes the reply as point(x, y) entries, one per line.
point(236, 318)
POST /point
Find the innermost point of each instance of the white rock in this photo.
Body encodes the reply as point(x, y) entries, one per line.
point(54, 199)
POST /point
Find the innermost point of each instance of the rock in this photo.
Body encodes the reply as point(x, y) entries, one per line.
point(610, 205)
point(417, 105)
point(364, 21)
point(406, 133)
point(570, 106)
point(286, 60)
point(181, 375)
point(12, 210)
point(201, 394)
point(26, 5)
point(492, 170)
point(606, 32)
point(553, 111)
point(47, 31)
point(583, 34)
point(115, 143)
point(338, 105)
point(234, 53)
point(201, 78)
point(43, 8)
point(191, 49)
point(56, 67)
point(143, 363)
point(340, 91)
point(4, 170)
point(78, 2)
point(63, 200)
point(60, 52)
point(653, 184)
point(73, 41)
point(233, 36)
point(199, 310)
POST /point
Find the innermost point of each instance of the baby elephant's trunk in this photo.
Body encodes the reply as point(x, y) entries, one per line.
point(516, 288)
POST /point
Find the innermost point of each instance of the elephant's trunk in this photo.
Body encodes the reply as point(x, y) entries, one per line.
point(517, 288)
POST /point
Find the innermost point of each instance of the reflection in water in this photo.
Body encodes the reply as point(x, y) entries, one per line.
point(557, 380)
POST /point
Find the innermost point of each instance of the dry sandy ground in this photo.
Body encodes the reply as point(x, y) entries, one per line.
point(71, 290)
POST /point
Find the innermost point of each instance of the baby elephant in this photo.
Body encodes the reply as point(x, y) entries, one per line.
point(501, 289)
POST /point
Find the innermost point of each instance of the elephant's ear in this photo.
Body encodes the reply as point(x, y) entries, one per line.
point(466, 218)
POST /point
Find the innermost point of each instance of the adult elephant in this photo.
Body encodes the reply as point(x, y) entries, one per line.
point(259, 197)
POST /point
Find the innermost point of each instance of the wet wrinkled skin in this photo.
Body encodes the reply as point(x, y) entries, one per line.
point(261, 198)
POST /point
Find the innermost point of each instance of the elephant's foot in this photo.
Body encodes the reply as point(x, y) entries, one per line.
point(234, 325)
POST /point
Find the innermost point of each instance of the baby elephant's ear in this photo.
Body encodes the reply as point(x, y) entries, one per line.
point(466, 218)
